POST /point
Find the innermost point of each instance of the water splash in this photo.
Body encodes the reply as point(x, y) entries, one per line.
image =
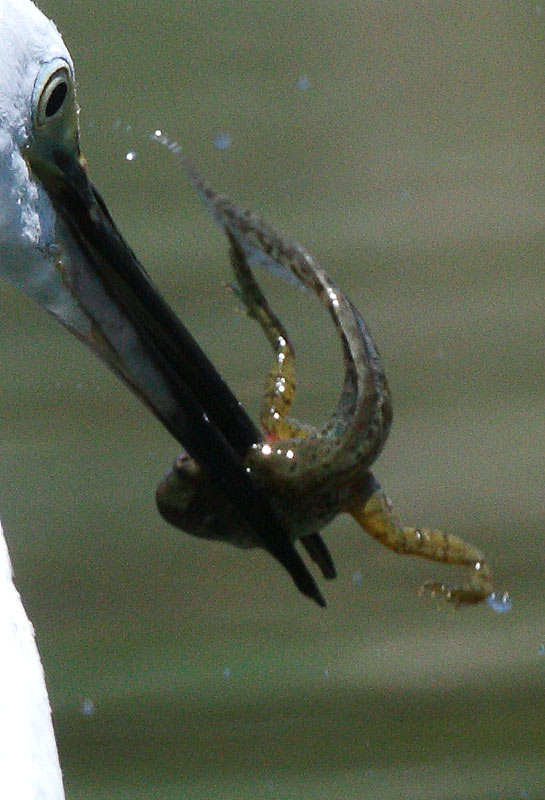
point(500, 603)
point(87, 707)
point(222, 140)
point(357, 579)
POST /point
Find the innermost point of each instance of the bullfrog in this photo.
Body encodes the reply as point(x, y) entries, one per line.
point(310, 474)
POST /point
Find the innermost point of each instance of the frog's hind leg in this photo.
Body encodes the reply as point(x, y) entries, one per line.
point(376, 517)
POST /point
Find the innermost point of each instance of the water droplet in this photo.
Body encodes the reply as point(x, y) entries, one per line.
point(222, 140)
point(130, 156)
point(303, 83)
point(87, 707)
point(500, 602)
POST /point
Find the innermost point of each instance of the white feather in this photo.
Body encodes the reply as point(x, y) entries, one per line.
point(29, 764)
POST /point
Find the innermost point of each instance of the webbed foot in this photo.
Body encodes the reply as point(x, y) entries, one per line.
point(376, 517)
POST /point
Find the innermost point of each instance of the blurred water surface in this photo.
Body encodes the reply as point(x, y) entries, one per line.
point(402, 143)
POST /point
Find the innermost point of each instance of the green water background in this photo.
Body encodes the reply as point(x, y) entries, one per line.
point(402, 143)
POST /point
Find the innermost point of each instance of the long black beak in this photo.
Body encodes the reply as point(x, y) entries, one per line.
point(139, 336)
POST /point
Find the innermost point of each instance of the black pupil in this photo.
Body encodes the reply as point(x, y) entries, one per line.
point(56, 99)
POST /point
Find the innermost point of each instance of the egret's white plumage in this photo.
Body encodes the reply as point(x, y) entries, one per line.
point(29, 764)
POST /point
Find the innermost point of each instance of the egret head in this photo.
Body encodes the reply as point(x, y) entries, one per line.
point(58, 242)
point(36, 69)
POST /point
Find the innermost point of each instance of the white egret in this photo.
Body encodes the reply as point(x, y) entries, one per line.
point(60, 246)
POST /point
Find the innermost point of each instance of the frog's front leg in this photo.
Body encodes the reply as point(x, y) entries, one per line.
point(375, 515)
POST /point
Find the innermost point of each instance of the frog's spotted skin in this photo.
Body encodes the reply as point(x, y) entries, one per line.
point(312, 474)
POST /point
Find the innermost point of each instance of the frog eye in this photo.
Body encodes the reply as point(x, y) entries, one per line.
point(53, 87)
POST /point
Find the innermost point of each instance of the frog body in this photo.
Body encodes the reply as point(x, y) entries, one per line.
point(310, 474)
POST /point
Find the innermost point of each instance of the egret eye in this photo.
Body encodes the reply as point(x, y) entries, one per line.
point(51, 91)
